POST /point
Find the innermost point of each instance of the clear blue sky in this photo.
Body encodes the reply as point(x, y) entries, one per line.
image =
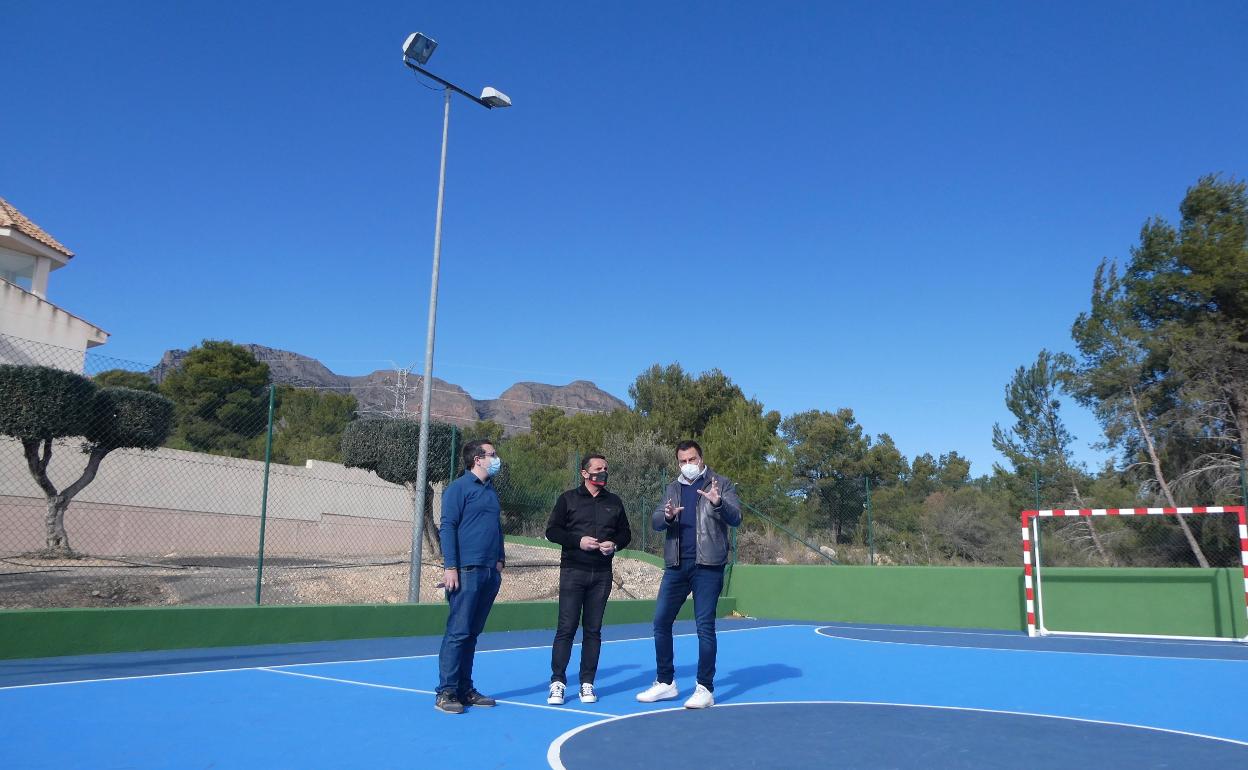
point(881, 206)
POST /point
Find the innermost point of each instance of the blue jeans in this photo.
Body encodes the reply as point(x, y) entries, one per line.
point(705, 583)
point(470, 606)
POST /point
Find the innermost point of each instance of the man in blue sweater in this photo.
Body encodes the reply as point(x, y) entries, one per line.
point(472, 552)
point(695, 512)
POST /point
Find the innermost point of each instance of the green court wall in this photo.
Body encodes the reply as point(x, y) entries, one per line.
point(56, 632)
point(1188, 602)
point(974, 597)
point(48, 633)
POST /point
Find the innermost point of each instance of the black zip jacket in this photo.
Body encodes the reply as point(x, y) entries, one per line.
point(577, 513)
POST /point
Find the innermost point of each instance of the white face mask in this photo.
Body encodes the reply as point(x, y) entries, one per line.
point(690, 470)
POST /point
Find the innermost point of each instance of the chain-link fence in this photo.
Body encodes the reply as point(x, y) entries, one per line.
point(1185, 540)
point(123, 484)
point(203, 483)
point(851, 520)
point(1182, 540)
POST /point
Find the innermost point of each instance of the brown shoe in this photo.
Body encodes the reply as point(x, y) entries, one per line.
point(474, 698)
point(448, 703)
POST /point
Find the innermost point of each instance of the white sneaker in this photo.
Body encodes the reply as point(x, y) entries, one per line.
point(556, 694)
point(587, 693)
point(700, 699)
point(658, 691)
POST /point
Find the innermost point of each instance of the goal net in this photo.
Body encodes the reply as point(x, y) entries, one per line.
point(1174, 573)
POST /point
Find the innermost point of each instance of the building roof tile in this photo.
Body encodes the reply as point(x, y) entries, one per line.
point(11, 217)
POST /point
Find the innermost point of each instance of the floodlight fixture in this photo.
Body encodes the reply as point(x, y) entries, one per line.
point(491, 97)
point(419, 47)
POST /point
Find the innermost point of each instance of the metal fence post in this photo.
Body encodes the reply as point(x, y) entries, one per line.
point(454, 438)
point(1243, 479)
point(642, 519)
point(870, 525)
point(264, 495)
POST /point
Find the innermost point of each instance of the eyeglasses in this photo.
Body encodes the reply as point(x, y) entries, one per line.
point(488, 454)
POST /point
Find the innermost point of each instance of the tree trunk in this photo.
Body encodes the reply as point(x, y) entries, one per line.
point(1096, 543)
point(1161, 480)
point(1240, 416)
point(430, 535)
point(433, 522)
point(56, 539)
point(1092, 533)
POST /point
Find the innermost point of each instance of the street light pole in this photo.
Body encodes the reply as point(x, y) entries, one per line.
point(422, 456)
point(416, 51)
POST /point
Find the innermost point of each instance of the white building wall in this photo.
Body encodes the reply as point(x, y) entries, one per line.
point(174, 480)
point(34, 320)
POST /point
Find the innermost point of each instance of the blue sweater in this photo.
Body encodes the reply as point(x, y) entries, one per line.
point(689, 520)
point(472, 527)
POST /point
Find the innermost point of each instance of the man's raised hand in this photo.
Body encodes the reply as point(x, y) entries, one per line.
point(712, 492)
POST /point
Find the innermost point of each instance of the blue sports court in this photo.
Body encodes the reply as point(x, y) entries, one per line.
point(787, 694)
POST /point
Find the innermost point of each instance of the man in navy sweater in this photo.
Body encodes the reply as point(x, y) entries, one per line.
point(696, 512)
point(472, 552)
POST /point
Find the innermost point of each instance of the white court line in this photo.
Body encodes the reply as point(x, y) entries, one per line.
point(552, 753)
point(536, 647)
point(821, 632)
point(918, 630)
point(127, 678)
point(1018, 635)
point(364, 660)
point(430, 692)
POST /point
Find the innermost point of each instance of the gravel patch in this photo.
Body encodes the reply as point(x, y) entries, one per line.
point(532, 574)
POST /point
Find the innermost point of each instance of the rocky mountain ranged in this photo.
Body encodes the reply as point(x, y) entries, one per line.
point(386, 392)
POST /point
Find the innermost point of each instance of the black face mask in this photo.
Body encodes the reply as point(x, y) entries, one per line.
point(599, 478)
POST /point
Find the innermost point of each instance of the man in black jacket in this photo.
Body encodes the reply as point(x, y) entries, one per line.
point(590, 524)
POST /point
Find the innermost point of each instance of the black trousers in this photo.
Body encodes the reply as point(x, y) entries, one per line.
point(582, 600)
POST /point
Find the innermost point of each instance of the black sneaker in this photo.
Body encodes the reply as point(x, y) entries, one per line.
point(474, 698)
point(447, 702)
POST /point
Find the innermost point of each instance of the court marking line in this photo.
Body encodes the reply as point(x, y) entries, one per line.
point(821, 632)
point(365, 660)
point(553, 751)
point(539, 646)
point(125, 678)
point(1018, 635)
point(547, 707)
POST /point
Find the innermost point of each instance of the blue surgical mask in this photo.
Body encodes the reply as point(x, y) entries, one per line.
point(495, 464)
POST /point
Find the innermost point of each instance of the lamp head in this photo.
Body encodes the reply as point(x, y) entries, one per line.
point(492, 98)
point(418, 48)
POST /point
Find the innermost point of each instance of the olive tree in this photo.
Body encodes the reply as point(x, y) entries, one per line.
point(390, 449)
point(40, 405)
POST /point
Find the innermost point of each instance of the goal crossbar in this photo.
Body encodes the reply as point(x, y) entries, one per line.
point(1031, 567)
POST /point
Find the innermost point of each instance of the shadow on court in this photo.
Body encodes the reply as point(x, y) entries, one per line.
point(543, 685)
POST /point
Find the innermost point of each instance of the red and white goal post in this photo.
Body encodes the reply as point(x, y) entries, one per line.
point(1031, 560)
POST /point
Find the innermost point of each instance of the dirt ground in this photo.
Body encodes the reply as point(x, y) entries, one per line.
point(26, 582)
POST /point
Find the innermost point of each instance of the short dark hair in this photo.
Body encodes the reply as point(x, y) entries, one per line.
point(690, 444)
point(585, 462)
point(472, 450)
